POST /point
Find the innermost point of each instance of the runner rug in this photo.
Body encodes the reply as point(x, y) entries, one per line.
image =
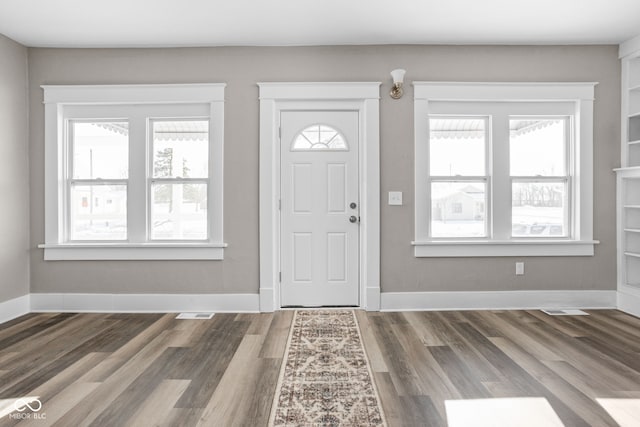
point(325, 378)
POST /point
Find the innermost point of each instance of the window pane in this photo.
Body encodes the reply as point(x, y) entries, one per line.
point(458, 209)
point(180, 148)
point(321, 138)
point(98, 212)
point(100, 150)
point(457, 146)
point(179, 212)
point(537, 147)
point(538, 209)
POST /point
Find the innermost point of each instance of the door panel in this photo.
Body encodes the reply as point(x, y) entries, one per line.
point(319, 182)
point(337, 257)
point(336, 175)
point(302, 257)
point(302, 187)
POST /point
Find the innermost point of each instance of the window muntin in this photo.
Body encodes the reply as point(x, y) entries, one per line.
point(540, 182)
point(319, 137)
point(97, 201)
point(458, 176)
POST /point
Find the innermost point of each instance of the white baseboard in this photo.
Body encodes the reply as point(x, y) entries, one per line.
point(629, 300)
point(498, 300)
point(390, 301)
point(15, 307)
point(145, 303)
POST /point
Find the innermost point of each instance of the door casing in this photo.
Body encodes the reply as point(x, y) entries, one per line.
point(361, 97)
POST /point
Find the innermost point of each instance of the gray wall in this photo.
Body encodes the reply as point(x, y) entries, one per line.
point(241, 68)
point(14, 171)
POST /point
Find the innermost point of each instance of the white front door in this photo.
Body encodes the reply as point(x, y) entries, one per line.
point(319, 208)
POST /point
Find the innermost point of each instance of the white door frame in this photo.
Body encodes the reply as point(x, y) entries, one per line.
point(363, 97)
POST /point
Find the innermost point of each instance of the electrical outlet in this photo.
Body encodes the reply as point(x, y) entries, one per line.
point(519, 268)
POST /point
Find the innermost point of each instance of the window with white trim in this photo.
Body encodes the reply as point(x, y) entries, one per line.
point(134, 172)
point(503, 169)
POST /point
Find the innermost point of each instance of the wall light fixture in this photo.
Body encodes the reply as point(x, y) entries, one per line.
point(398, 77)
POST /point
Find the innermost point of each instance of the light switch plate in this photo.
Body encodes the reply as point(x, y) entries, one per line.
point(395, 198)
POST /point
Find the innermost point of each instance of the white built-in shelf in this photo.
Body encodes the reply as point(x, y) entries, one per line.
point(628, 176)
point(628, 169)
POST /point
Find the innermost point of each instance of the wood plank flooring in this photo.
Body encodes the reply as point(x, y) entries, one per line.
point(152, 369)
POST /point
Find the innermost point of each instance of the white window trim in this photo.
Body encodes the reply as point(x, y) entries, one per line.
point(582, 94)
point(59, 97)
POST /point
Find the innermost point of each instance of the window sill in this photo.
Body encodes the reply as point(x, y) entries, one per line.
point(130, 252)
point(502, 248)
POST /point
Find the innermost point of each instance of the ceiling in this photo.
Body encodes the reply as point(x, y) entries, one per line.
point(159, 23)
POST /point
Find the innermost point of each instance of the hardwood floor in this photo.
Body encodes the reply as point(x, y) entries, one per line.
point(152, 369)
point(427, 358)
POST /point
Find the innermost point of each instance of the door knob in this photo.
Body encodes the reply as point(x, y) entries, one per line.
point(353, 218)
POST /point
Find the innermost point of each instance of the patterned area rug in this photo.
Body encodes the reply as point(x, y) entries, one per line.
point(326, 379)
